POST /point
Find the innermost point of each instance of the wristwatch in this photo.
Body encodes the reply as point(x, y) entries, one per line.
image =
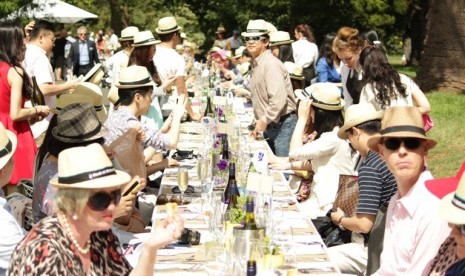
point(340, 223)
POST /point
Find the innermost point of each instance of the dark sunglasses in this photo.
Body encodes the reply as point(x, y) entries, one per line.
point(101, 200)
point(409, 143)
point(253, 38)
point(461, 228)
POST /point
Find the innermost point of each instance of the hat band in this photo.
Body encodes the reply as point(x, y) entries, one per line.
point(458, 202)
point(392, 129)
point(170, 29)
point(144, 81)
point(86, 176)
point(321, 102)
point(144, 41)
point(98, 107)
point(7, 149)
point(84, 135)
point(256, 31)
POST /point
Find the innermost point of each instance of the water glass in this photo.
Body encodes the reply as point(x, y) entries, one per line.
point(216, 261)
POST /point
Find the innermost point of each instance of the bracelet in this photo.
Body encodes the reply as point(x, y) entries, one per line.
point(340, 223)
point(35, 108)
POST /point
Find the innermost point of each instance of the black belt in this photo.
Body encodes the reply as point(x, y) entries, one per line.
point(282, 118)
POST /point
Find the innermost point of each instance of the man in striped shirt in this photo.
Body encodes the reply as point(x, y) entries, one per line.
point(414, 231)
point(376, 187)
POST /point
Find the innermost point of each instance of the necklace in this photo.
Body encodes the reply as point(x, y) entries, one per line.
point(71, 236)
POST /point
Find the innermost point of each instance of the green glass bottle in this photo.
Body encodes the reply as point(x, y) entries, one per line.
point(250, 223)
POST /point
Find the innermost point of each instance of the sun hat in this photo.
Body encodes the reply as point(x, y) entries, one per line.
point(401, 121)
point(325, 95)
point(239, 51)
point(280, 38)
point(87, 168)
point(244, 68)
point(167, 25)
point(128, 33)
point(144, 38)
point(95, 93)
point(78, 122)
point(220, 30)
point(257, 28)
point(134, 76)
point(357, 114)
point(452, 206)
point(95, 75)
point(70, 98)
point(8, 143)
point(294, 70)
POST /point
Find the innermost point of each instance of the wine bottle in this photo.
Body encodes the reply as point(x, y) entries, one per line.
point(233, 194)
point(208, 108)
point(225, 151)
point(232, 177)
point(251, 268)
point(250, 223)
point(37, 96)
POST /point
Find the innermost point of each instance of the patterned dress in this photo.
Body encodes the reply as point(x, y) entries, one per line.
point(47, 250)
point(445, 258)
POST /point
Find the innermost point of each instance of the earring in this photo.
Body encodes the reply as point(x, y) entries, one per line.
point(74, 217)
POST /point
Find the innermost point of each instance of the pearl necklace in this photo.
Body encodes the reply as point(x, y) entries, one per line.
point(71, 236)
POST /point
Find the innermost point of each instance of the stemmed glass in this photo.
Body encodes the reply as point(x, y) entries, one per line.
point(183, 178)
point(202, 170)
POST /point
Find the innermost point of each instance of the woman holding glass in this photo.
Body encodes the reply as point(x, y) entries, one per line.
point(77, 240)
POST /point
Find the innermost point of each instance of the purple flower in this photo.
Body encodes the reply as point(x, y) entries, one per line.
point(216, 144)
point(260, 156)
point(219, 110)
point(222, 164)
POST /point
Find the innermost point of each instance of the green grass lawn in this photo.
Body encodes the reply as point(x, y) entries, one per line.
point(446, 111)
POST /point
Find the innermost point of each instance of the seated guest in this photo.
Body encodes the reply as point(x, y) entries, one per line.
point(414, 231)
point(11, 233)
point(376, 187)
point(77, 240)
point(451, 255)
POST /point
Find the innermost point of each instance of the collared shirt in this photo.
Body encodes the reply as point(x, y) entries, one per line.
point(84, 58)
point(168, 63)
point(414, 232)
point(305, 52)
point(36, 63)
point(10, 235)
point(272, 95)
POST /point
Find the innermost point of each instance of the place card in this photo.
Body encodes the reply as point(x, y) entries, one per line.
point(259, 183)
point(219, 100)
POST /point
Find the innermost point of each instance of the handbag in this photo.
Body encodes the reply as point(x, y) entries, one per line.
point(329, 232)
point(429, 124)
point(347, 194)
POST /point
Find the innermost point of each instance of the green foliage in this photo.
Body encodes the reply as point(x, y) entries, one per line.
point(237, 215)
point(10, 6)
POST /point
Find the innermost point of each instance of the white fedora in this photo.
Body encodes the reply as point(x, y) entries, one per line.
point(70, 98)
point(128, 33)
point(357, 114)
point(133, 77)
point(144, 38)
point(324, 95)
point(8, 143)
point(87, 168)
point(256, 28)
point(239, 51)
point(94, 92)
point(95, 75)
point(294, 70)
point(280, 38)
point(167, 25)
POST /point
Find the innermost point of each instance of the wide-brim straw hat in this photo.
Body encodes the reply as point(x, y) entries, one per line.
point(324, 95)
point(70, 98)
point(95, 93)
point(280, 38)
point(8, 144)
point(87, 168)
point(294, 70)
point(144, 38)
point(256, 28)
point(127, 34)
point(78, 122)
point(134, 76)
point(405, 121)
point(244, 68)
point(357, 114)
point(167, 25)
point(95, 75)
point(239, 51)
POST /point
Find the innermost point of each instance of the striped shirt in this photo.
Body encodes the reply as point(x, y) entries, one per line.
point(376, 184)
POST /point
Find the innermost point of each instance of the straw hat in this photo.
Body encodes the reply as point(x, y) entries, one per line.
point(144, 38)
point(220, 30)
point(280, 38)
point(357, 114)
point(167, 25)
point(95, 75)
point(294, 70)
point(8, 143)
point(239, 51)
point(325, 95)
point(78, 123)
point(133, 77)
point(452, 206)
point(87, 168)
point(257, 28)
point(244, 68)
point(95, 93)
point(405, 121)
point(128, 33)
point(67, 99)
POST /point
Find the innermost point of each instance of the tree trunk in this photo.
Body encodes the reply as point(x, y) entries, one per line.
point(443, 59)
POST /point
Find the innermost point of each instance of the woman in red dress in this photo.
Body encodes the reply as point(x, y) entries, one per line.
point(15, 88)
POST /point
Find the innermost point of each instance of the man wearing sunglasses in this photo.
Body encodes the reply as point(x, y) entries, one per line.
point(273, 99)
point(414, 231)
point(83, 53)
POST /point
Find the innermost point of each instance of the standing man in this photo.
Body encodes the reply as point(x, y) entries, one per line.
point(273, 100)
point(83, 54)
point(169, 62)
point(414, 231)
point(36, 63)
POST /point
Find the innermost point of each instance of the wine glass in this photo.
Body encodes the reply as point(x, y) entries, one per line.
point(182, 181)
point(216, 261)
point(202, 170)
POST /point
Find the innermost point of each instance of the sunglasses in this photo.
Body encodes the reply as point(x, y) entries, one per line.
point(101, 200)
point(409, 143)
point(461, 228)
point(253, 38)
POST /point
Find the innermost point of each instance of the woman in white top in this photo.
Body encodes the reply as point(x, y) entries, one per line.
point(384, 87)
point(305, 51)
